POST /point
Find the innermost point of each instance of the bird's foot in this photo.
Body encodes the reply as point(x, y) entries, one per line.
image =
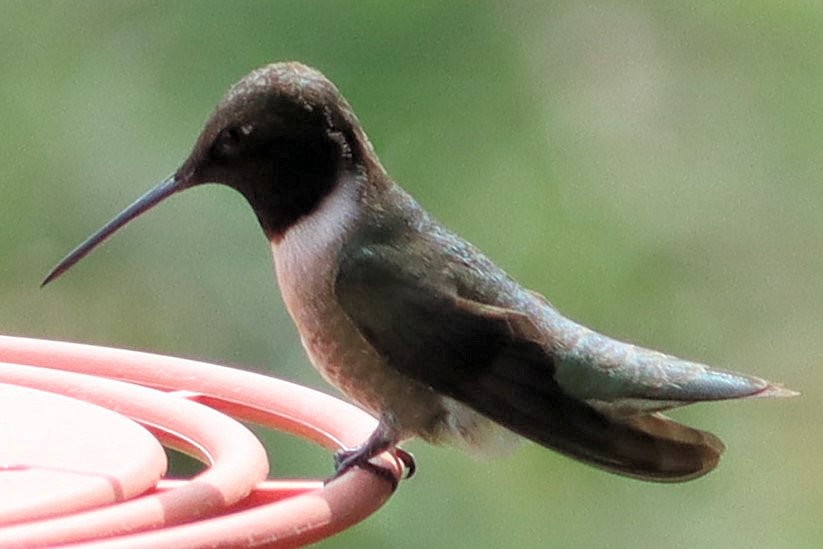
point(346, 459)
point(407, 459)
point(382, 439)
point(361, 456)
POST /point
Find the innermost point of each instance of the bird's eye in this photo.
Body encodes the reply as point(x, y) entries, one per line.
point(231, 140)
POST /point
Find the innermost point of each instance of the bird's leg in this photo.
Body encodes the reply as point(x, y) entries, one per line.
point(382, 439)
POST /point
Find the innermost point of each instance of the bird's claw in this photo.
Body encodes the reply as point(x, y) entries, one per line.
point(407, 459)
point(346, 459)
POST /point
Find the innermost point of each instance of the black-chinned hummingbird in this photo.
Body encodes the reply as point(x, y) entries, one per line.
point(415, 324)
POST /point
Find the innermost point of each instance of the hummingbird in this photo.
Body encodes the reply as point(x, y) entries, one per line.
point(416, 325)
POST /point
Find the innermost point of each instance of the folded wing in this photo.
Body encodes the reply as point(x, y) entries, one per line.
point(496, 361)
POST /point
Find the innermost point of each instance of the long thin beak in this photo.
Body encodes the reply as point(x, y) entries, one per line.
point(160, 192)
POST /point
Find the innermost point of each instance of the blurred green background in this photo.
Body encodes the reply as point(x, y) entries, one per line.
point(654, 168)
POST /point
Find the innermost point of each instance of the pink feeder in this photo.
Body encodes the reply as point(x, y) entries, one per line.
point(79, 464)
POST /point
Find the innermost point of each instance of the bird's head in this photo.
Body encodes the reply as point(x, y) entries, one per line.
point(282, 136)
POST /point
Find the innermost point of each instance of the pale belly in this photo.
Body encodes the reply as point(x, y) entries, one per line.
point(348, 362)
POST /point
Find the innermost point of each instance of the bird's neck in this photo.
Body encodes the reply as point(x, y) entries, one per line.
point(314, 240)
point(307, 170)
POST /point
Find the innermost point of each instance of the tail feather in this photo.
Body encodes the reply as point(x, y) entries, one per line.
point(648, 447)
point(669, 451)
point(636, 441)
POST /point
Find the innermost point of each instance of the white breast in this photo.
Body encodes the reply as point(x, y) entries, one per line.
point(306, 257)
point(306, 260)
